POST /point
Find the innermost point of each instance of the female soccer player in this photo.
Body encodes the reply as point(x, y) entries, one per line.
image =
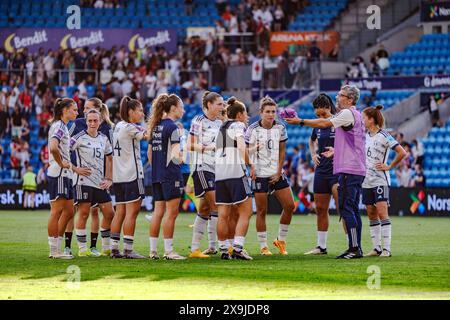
point(204, 130)
point(232, 186)
point(92, 181)
point(128, 176)
point(106, 129)
point(60, 175)
point(165, 155)
point(268, 138)
point(376, 183)
point(325, 182)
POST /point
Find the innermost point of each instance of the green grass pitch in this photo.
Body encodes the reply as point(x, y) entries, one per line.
point(419, 268)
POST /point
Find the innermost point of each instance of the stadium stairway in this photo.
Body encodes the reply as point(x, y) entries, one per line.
point(352, 24)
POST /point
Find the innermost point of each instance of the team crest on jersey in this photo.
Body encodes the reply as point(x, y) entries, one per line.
point(210, 183)
point(177, 184)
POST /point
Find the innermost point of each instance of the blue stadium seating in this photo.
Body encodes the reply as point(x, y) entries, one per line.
point(318, 15)
point(431, 55)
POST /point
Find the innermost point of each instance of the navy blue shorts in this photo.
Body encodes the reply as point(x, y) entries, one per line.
point(204, 181)
point(370, 196)
point(349, 192)
point(232, 191)
point(165, 191)
point(88, 194)
point(324, 184)
point(60, 187)
point(126, 192)
point(262, 185)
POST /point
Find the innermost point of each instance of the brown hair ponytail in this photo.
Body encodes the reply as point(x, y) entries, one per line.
point(375, 114)
point(161, 105)
point(59, 106)
point(234, 106)
point(127, 104)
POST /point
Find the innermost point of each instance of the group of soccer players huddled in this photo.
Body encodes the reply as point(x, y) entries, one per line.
point(231, 162)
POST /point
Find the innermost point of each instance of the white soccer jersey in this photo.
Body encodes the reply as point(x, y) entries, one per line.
point(90, 153)
point(377, 150)
point(265, 160)
point(229, 162)
point(206, 131)
point(127, 163)
point(58, 130)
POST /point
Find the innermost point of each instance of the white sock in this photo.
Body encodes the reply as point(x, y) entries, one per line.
point(115, 241)
point(106, 239)
point(128, 242)
point(58, 246)
point(223, 246)
point(262, 239)
point(386, 232)
point(282, 232)
point(53, 244)
point(199, 230)
point(212, 230)
point(322, 239)
point(375, 234)
point(238, 244)
point(81, 239)
point(153, 244)
point(230, 242)
point(168, 245)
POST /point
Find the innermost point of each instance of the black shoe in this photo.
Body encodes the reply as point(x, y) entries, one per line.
point(225, 256)
point(241, 255)
point(130, 254)
point(115, 254)
point(351, 254)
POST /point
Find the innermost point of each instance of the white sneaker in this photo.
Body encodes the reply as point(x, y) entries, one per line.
point(373, 253)
point(316, 251)
point(61, 256)
point(173, 256)
point(148, 217)
point(67, 251)
point(153, 255)
point(386, 254)
point(95, 252)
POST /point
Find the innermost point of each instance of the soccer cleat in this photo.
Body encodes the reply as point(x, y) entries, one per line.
point(316, 251)
point(95, 252)
point(197, 254)
point(153, 255)
point(210, 251)
point(386, 254)
point(265, 252)
point(67, 251)
point(115, 254)
point(281, 246)
point(148, 217)
point(61, 256)
point(225, 256)
point(130, 254)
point(106, 253)
point(373, 253)
point(173, 256)
point(86, 253)
point(351, 254)
point(241, 255)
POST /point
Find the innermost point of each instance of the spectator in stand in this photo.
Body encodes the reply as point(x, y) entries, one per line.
point(334, 54)
point(382, 59)
point(25, 133)
point(189, 7)
point(43, 154)
point(25, 102)
point(418, 178)
point(5, 121)
point(16, 122)
point(42, 175)
point(12, 99)
point(434, 112)
point(314, 55)
point(418, 152)
point(279, 19)
point(403, 174)
point(44, 126)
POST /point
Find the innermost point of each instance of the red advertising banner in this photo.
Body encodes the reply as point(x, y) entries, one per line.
point(326, 40)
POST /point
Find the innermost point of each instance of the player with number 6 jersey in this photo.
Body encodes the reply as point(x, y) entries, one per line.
point(377, 181)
